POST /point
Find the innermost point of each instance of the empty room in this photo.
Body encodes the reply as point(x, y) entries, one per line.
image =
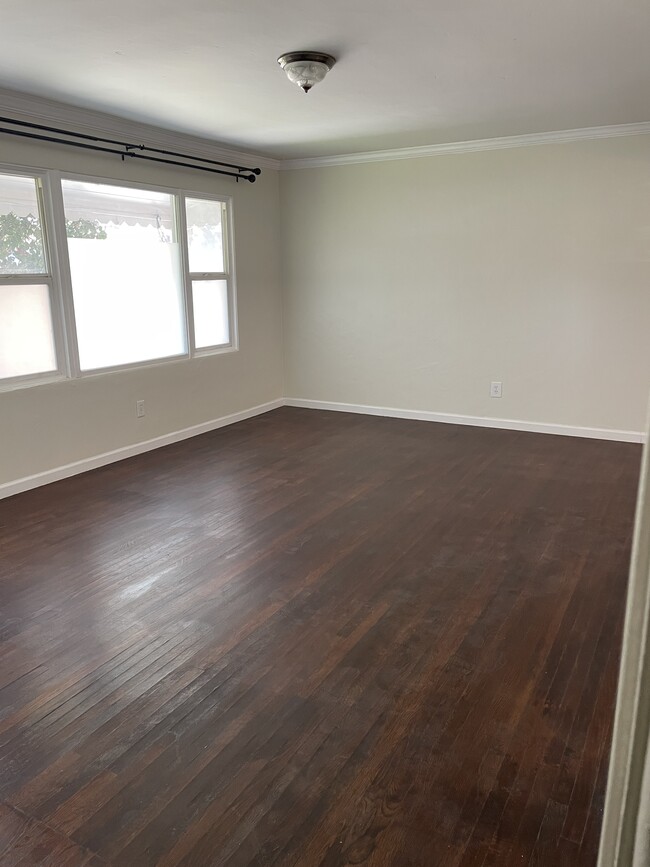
point(324, 378)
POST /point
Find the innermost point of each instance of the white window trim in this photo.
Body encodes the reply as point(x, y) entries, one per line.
point(50, 277)
point(60, 280)
point(228, 275)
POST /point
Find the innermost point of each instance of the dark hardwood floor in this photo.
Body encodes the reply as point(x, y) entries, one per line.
point(316, 639)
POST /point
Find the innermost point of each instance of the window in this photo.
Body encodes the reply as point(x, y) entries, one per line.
point(208, 271)
point(144, 275)
point(126, 274)
point(27, 333)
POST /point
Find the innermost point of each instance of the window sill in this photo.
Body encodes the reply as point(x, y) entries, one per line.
point(125, 368)
point(19, 385)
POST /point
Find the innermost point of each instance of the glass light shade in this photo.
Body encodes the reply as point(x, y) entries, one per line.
point(306, 75)
point(306, 68)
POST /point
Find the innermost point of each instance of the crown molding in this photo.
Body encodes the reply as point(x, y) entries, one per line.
point(462, 147)
point(23, 106)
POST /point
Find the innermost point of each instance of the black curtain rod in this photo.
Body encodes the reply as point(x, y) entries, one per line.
point(242, 172)
point(125, 144)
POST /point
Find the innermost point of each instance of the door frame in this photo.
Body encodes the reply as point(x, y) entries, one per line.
point(625, 841)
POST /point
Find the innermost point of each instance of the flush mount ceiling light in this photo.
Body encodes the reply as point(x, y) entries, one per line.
point(306, 68)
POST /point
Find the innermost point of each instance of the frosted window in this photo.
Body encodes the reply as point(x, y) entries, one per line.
point(26, 339)
point(210, 302)
point(205, 236)
point(126, 274)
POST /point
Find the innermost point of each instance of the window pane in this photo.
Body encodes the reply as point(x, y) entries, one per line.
point(205, 235)
point(126, 274)
point(210, 302)
point(21, 235)
point(26, 338)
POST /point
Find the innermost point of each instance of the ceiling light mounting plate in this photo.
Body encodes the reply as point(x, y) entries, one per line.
point(306, 68)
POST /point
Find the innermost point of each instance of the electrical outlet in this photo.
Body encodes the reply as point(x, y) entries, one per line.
point(139, 408)
point(496, 389)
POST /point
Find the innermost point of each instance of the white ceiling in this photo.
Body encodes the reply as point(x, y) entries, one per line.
point(412, 73)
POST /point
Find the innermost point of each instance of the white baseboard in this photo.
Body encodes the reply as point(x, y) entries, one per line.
point(628, 436)
point(8, 489)
point(26, 483)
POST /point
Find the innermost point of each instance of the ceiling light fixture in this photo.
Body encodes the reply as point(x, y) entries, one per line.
point(306, 68)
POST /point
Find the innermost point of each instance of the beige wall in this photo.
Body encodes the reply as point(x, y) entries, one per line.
point(50, 425)
point(413, 284)
point(407, 284)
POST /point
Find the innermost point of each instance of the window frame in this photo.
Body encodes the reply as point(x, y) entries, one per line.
point(50, 277)
point(227, 275)
point(59, 278)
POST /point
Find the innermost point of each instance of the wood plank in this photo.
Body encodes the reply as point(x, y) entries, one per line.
point(316, 639)
point(25, 842)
